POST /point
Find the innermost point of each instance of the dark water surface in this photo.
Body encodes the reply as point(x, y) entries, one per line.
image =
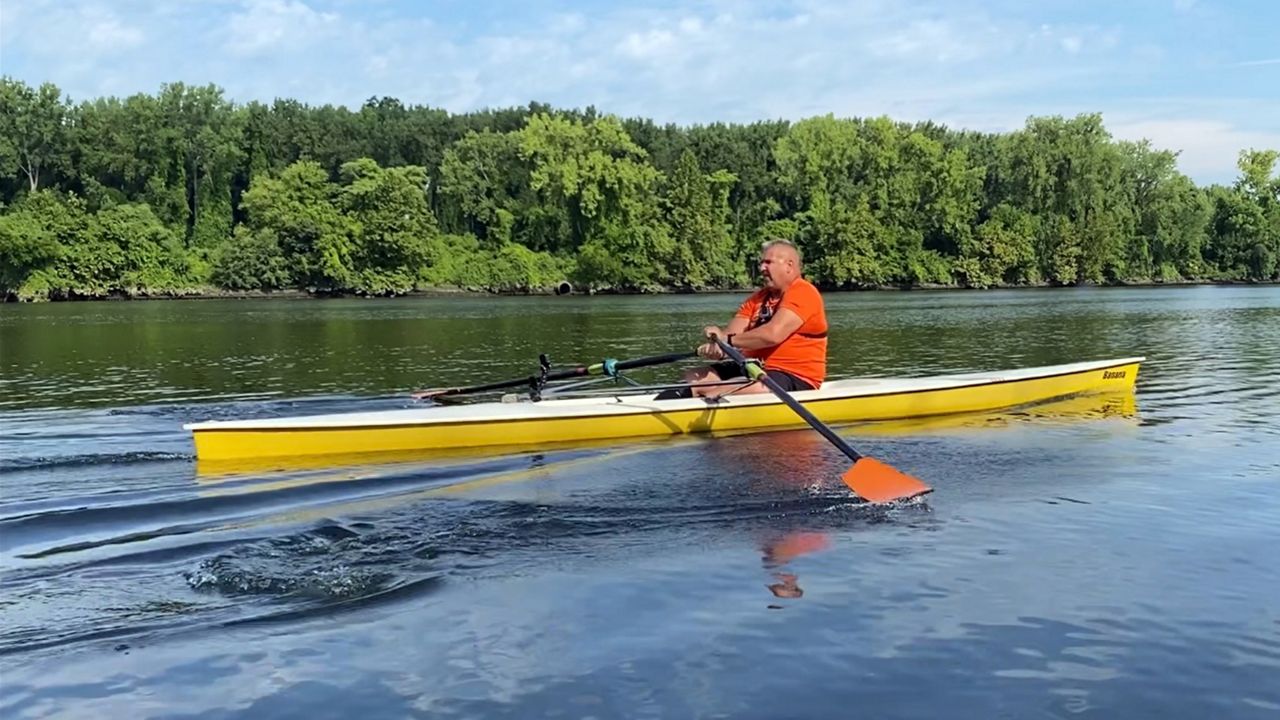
point(1094, 558)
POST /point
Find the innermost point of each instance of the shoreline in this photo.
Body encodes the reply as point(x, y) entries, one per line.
point(444, 292)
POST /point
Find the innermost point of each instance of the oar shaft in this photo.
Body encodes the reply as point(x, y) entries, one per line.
point(785, 397)
point(503, 384)
point(655, 360)
point(599, 368)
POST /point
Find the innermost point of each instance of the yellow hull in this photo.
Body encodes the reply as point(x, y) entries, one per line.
point(611, 418)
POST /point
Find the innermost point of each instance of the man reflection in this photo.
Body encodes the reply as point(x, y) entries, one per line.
point(782, 465)
point(781, 550)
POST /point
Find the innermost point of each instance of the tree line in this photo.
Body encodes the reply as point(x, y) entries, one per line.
point(185, 192)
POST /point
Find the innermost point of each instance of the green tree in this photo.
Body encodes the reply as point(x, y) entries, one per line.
point(1070, 175)
point(484, 174)
point(697, 211)
point(33, 131)
point(204, 132)
point(27, 248)
point(594, 177)
point(252, 261)
point(297, 211)
point(146, 255)
point(1259, 185)
point(1170, 216)
point(41, 235)
point(393, 229)
point(1000, 251)
point(511, 267)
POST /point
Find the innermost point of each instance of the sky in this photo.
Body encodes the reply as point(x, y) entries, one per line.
point(1195, 76)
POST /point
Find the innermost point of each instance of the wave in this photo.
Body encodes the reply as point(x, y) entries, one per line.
point(90, 459)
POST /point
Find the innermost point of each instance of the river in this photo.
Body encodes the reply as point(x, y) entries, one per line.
point(1082, 559)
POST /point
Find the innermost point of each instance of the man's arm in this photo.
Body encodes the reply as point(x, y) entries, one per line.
point(772, 333)
point(735, 326)
point(784, 322)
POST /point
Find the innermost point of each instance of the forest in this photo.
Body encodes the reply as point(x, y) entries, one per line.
point(186, 193)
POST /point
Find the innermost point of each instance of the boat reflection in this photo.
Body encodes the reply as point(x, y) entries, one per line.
point(1080, 408)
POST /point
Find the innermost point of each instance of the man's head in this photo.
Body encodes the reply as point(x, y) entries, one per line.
point(780, 264)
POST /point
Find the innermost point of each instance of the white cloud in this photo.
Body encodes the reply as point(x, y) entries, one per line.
point(649, 45)
point(1255, 63)
point(87, 29)
point(1207, 148)
point(568, 24)
point(275, 25)
point(690, 25)
point(928, 40)
point(107, 33)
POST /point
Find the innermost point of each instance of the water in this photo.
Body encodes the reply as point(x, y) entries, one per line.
point(1092, 559)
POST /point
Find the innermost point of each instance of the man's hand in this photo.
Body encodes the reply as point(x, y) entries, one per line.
point(710, 351)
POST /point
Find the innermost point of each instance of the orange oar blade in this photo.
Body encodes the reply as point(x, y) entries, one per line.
point(879, 483)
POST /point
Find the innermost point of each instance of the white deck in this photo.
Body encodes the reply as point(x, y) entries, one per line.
point(605, 405)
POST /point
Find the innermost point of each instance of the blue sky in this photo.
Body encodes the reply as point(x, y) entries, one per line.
point(1196, 76)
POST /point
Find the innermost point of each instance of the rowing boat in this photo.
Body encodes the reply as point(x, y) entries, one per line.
point(625, 414)
point(1119, 407)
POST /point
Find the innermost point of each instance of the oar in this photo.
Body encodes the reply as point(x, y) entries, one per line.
point(605, 367)
point(869, 478)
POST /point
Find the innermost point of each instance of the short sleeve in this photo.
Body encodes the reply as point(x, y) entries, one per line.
point(803, 300)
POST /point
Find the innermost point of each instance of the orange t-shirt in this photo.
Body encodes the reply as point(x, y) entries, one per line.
point(804, 353)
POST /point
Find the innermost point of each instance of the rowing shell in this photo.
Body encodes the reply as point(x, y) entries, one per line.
point(620, 416)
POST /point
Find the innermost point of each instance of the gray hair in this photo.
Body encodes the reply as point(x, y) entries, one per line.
point(774, 242)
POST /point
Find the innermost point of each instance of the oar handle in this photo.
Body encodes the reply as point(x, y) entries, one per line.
point(755, 372)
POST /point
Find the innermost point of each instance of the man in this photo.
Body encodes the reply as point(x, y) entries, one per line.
point(783, 324)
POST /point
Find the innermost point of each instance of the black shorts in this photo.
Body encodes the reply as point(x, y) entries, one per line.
point(728, 370)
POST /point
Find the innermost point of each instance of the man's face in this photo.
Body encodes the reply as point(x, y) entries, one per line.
point(777, 267)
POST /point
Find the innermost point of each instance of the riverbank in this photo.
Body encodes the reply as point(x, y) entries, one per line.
point(565, 288)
